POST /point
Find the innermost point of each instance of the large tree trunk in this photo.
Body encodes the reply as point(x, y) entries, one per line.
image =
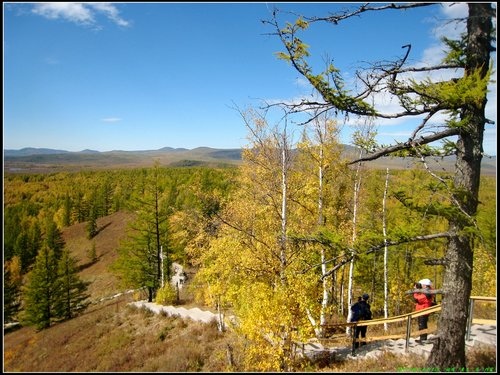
point(449, 351)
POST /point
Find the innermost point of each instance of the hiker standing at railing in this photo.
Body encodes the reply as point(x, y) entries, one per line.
point(423, 301)
point(361, 311)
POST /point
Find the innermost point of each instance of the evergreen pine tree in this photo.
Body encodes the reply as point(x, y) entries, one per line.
point(139, 256)
point(67, 210)
point(35, 241)
point(71, 293)
point(20, 249)
point(12, 289)
point(40, 292)
point(92, 223)
point(53, 238)
point(92, 253)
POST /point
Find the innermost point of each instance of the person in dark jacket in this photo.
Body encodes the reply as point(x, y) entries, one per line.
point(361, 311)
point(423, 301)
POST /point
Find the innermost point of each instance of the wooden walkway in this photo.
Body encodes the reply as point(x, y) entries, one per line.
point(336, 332)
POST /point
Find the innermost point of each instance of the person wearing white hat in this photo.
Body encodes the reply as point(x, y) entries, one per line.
point(423, 301)
point(426, 282)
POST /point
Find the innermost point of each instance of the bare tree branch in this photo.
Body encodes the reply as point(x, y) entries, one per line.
point(337, 266)
point(348, 257)
point(413, 239)
point(366, 8)
point(435, 262)
point(409, 144)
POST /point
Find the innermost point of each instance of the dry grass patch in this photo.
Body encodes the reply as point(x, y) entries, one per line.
point(117, 337)
point(480, 359)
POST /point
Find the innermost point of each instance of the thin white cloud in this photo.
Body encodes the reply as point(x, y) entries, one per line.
point(51, 61)
point(433, 55)
point(302, 82)
point(111, 119)
point(455, 10)
point(111, 12)
point(395, 134)
point(73, 12)
point(79, 13)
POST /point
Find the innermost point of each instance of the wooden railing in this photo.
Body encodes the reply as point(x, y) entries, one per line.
point(408, 319)
point(470, 318)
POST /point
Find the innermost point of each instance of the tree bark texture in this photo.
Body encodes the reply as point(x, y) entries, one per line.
point(449, 351)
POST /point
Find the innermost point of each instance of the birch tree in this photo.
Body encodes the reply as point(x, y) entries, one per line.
point(384, 230)
point(363, 138)
point(252, 266)
point(321, 169)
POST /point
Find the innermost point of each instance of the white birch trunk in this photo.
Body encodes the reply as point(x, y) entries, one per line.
point(162, 271)
point(326, 295)
point(283, 206)
point(386, 286)
point(357, 184)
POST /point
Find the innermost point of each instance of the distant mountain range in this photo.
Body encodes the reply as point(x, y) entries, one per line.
point(28, 151)
point(51, 160)
point(39, 160)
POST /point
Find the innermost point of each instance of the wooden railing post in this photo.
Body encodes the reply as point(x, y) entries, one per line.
point(469, 319)
point(353, 330)
point(408, 332)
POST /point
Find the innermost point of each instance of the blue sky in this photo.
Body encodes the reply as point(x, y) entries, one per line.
point(142, 76)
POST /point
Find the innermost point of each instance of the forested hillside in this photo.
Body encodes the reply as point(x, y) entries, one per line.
point(110, 336)
point(223, 223)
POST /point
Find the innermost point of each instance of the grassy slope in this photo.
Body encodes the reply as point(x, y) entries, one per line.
point(111, 336)
point(112, 229)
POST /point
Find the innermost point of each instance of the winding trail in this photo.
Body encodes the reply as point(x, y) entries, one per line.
point(480, 335)
point(194, 313)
